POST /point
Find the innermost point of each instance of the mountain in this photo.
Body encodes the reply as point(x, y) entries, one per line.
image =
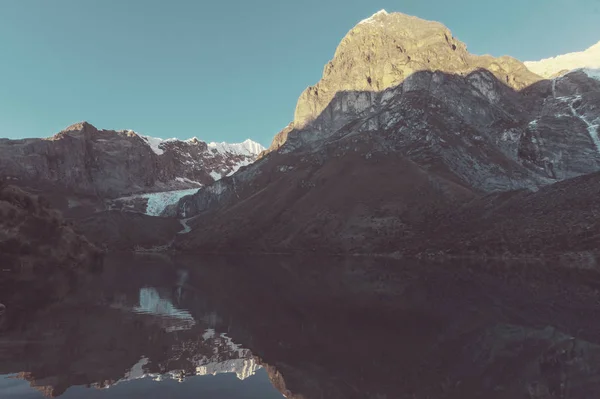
point(85, 160)
point(404, 128)
point(383, 50)
point(556, 66)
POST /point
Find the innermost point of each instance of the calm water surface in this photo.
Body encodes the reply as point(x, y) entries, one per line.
point(153, 326)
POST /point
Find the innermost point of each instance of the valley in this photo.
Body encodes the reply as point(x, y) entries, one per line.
point(427, 226)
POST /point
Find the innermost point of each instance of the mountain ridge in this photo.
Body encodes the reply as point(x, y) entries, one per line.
point(114, 163)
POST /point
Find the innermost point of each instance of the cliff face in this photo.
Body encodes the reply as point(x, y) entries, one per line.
point(109, 164)
point(384, 50)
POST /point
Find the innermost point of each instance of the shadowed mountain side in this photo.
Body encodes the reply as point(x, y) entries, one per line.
point(386, 173)
point(34, 236)
point(560, 220)
point(545, 127)
point(116, 230)
point(40, 254)
point(330, 201)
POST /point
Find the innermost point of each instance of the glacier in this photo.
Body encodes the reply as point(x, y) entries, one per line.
point(157, 202)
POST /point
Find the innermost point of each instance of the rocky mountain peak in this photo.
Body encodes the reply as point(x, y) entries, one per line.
point(382, 51)
point(79, 126)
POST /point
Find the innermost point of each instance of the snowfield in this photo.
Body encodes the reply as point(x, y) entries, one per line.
point(548, 67)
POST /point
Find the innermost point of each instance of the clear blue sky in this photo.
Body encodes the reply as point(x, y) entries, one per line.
point(223, 70)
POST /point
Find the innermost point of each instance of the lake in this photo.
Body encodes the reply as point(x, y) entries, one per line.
point(183, 326)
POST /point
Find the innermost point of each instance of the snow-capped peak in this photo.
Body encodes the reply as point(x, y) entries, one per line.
point(372, 17)
point(248, 148)
point(549, 67)
point(155, 143)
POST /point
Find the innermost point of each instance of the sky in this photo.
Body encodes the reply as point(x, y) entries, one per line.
point(224, 70)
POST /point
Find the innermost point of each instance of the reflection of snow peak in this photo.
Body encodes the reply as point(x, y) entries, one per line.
point(242, 364)
point(212, 354)
point(243, 368)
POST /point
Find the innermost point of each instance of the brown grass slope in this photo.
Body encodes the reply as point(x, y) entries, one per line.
point(332, 201)
point(363, 202)
point(559, 218)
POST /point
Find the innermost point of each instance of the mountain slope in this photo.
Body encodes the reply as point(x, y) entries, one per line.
point(554, 66)
point(367, 166)
point(334, 200)
point(109, 164)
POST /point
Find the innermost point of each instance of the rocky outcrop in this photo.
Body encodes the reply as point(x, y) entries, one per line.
point(84, 160)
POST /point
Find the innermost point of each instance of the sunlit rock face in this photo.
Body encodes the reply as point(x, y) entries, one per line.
point(385, 49)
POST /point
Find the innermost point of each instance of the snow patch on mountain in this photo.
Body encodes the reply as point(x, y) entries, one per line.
point(155, 143)
point(239, 165)
point(215, 175)
point(371, 19)
point(248, 148)
point(592, 127)
point(592, 73)
point(189, 181)
point(549, 67)
point(157, 202)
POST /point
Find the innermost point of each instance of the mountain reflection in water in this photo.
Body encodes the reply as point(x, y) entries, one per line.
point(264, 327)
